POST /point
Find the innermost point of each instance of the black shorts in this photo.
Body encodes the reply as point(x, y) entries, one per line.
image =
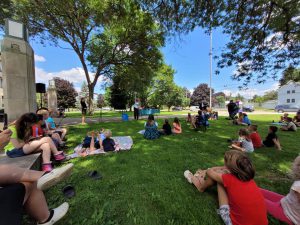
point(11, 204)
point(83, 111)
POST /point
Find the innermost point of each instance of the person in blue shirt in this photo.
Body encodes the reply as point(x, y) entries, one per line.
point(51, 126)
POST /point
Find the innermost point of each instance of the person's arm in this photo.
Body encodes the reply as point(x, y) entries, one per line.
point(211, 172)
point(4, 138)
point(16, 143)
point(277, 143)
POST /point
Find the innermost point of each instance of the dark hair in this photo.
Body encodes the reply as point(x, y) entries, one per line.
point(245, 132)
point(40, 117)
point(245, 114)
point(150, 117)
point(254, 127)
point(239, 165)
point(82, 99)
point(289, 119)
point(273, 129)
point(166, 121)
point(176, 120)
point(23, 126)
point(150, 120)
point(199, 112)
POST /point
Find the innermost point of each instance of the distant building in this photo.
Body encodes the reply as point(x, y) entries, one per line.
point(289, 94)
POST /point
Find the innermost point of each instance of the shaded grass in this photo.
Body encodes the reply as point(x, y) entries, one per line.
point(110, 114)
point(146, 185)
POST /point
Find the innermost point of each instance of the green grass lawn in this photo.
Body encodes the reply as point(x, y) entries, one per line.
point(146, 185)
point(97, 114)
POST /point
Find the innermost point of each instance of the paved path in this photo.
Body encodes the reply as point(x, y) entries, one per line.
point(74, 121)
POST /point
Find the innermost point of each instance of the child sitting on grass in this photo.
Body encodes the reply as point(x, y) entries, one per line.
point(290, 126)
point(286, 208)
point(176, 126)
point(108, 143)
point(166, 129)
point(244, 142)
point(254, 136)
point(272, 139)
point(240, 200)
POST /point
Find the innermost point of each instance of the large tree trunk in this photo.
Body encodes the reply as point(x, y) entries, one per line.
point(90, 99)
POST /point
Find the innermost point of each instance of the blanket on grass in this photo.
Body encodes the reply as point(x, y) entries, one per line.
point(125, 143)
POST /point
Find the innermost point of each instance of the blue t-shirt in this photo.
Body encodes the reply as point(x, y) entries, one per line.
point(246, 120)
point(51, 122)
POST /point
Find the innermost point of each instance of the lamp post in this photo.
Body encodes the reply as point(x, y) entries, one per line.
point(210, 75)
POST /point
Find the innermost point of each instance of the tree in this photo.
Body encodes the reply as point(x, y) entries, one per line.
point(270, 95)
point(220, 99)
point(118, 95)
point(290, 73)
point(103, 34)
point(66, 93)
point(200, 94)
point(84, 91)
point(264, 36)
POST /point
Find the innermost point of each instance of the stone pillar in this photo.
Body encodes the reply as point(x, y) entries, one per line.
point(52, 96)
point(18, 77)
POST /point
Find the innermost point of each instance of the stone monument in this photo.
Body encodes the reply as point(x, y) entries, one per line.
point(52, 96)
point(19, 94)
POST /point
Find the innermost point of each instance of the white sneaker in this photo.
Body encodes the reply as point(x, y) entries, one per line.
point(55, 176)
point(188, 175)
point(59, 213)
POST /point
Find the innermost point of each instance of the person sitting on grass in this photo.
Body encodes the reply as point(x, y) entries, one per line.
point(189, 118)
point(243, 119)
point(176, 126)
point(296, 119)
point(109, 143)
point(254, 136)
point(166, 129)
point(272, 139)
point(286, 208)
point(284, 118)
point(240, 200)
point(244, 142)
point(290, 126)
point(200, 120)
point(21, 191)
point(151, 131)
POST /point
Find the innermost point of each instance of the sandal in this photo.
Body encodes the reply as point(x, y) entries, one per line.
point(188, 175)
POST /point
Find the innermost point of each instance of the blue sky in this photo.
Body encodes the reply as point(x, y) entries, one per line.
point(188, 55)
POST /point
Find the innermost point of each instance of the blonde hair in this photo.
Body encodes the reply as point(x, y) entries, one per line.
point(296, 169)
point(107, 133)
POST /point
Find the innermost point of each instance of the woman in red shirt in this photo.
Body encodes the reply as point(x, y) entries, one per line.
point(241, 201)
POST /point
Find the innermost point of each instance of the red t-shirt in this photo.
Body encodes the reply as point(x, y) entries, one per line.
point(37, 131)
point(256, 140)
point(247, 205)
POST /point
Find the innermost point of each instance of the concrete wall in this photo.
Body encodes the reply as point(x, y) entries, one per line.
point(18, 77)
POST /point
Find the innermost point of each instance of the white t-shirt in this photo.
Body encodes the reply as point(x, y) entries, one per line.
point(292, 126)
point(136, 105)
point(291, 204)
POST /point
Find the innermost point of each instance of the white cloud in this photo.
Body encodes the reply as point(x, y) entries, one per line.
point(39, 58)
point(75, 75)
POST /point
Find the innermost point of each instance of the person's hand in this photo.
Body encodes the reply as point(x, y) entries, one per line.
point(4, 138)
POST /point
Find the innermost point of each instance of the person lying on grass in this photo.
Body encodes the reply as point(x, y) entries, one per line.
point(254, 136)
point(176, 126)
point(272, 139)
point(244, 142)
point(286, 208)
point(290, 126)
point(240, 200)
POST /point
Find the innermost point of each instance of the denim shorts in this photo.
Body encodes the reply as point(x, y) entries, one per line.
point(16, 152)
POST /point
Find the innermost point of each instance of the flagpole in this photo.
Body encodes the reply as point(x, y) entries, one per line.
point(210, 75)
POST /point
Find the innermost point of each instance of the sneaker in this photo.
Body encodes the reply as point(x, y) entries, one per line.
point(188, 175)
point(47, 167)
point(59, 157)
point(55, 176)
point(58, 213)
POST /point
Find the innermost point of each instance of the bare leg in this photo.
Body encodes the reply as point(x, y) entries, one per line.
point(64, 132)
point(92, 144)
point(83, 119)
point(11, 174)
point(200, 182)
point(35, 203)
point(34, 146)
point(222, 195)
point(46, 153)
point(224, 210)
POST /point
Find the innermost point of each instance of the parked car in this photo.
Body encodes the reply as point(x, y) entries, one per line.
point(287, 108)
point(248, 108)
point(177, 108)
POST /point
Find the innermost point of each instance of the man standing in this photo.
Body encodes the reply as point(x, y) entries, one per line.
point(136, 108)
point(232, 109)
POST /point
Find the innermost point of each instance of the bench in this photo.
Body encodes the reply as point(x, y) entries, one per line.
point(32, 161)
